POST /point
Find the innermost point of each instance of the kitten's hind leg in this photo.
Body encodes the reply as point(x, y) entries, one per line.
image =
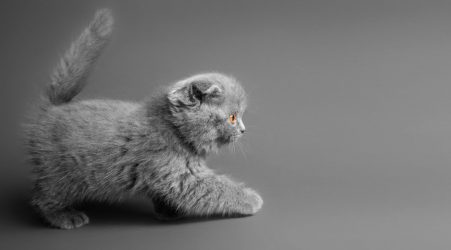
point(57, 213)
point(68, 218)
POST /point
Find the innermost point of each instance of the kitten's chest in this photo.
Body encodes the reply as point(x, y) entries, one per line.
point(197, 167)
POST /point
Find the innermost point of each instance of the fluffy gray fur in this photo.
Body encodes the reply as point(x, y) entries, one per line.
point(109, 150)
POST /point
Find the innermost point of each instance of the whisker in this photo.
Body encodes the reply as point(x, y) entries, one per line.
point(230, 147)
point(242, 150)
point(251, 126)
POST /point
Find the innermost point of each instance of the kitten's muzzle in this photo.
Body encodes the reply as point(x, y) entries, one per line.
point(242, 128)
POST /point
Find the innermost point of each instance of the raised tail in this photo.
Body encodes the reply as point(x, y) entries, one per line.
point(70, 75)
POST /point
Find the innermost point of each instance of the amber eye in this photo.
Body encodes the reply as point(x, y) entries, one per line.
point(232, 119)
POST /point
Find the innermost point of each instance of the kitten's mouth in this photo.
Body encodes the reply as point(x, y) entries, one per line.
point(222, 141)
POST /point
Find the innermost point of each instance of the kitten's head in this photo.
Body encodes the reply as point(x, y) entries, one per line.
point(207, 111)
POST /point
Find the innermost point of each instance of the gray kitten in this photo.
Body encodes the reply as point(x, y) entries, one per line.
point(109, 150)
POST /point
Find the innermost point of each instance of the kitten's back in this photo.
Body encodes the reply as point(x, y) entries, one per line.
point(90, 119)
point(79, 127)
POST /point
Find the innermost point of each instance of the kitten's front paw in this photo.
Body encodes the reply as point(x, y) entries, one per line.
point(254, 201)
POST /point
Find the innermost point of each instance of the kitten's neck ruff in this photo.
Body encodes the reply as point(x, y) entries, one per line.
point(158, 117)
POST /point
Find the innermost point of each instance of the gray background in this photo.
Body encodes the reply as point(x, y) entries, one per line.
point(349, 119)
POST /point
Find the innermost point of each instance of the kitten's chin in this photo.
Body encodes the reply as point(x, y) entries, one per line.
point(216, 144)
point(223, 141)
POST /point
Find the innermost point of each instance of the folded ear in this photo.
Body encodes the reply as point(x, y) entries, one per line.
point(194, 93)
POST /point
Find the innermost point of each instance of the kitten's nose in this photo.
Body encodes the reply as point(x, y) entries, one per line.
point(242, 128)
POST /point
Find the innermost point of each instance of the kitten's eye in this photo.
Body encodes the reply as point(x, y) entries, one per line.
point(232, 119)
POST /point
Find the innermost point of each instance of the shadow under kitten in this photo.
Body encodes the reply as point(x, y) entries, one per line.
point(17, 210)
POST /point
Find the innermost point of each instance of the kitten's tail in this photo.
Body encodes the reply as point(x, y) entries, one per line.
point(70, 75)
